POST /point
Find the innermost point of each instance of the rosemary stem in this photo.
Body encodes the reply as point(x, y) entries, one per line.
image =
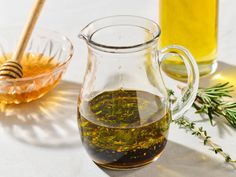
point(200, 133)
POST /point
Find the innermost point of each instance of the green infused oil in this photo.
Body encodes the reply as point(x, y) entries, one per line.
point(124, 128)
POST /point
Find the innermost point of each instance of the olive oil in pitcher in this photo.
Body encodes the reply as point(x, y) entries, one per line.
point(124, 128)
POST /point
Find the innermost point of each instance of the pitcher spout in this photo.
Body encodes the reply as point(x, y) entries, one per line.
point(84, 34)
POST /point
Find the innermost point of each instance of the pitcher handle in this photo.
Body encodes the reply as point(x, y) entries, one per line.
point(189, 93)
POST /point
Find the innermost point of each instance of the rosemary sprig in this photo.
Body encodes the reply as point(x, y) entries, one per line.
point(211, 101)
point(202, 134)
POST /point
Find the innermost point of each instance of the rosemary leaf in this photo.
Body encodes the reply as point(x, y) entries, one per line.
point(211, 101)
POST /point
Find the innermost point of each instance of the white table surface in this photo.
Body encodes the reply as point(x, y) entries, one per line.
point(41, 139)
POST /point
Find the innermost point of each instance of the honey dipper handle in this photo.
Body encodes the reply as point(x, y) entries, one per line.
point(27, 31)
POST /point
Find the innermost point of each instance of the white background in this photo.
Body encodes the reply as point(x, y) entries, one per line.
point(41, 139)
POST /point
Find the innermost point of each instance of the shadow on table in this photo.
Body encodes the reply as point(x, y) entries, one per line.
point(49, 121)
point(179, 161)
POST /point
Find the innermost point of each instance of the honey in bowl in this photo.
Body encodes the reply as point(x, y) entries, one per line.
point(38, 79)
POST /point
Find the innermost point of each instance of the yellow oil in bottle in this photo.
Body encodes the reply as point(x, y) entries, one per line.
point(30, 89)
point(192, 24)
point(124, 128)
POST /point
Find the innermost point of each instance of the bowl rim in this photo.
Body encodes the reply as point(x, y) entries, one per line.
point(57, 68)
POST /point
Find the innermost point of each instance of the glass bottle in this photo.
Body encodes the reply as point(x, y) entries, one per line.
point(194, 25)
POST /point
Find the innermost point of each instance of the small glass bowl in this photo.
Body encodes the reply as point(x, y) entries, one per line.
point(44, 43)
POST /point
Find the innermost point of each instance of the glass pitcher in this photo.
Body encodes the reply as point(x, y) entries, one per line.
point(123, 108)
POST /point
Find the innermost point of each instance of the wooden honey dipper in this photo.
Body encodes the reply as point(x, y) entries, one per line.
point(12, 68)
